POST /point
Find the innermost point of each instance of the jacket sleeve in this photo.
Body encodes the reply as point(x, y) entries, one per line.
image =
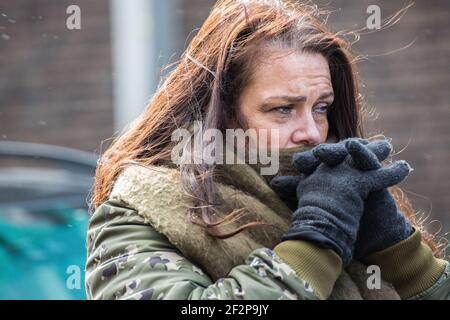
point(413, 270)
point(128, 259)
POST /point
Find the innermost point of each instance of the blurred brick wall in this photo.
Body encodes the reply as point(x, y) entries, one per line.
point(55, 84)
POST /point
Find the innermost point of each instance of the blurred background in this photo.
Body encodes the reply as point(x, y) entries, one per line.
point(64, 93)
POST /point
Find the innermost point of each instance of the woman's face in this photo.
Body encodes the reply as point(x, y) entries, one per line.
point(290, 92)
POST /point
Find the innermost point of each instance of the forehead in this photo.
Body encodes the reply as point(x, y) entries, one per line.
point(291, 71)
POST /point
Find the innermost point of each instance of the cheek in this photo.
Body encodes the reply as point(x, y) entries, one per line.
point(258, 122)
point(285, 134)
point(322, 127)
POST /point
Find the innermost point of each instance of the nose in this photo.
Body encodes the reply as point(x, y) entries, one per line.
point(306, 131)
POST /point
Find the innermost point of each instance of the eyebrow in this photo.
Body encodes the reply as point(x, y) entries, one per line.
point(296, 99)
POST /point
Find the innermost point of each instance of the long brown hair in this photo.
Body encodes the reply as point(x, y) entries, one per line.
point(207, 81)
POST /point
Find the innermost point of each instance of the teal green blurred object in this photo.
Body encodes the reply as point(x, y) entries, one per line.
point(42, 253)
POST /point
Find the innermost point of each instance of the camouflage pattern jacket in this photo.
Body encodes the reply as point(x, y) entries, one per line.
point(140, 245)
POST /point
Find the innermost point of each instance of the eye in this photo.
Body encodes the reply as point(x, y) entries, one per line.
point(284, 110)
point(321, 108)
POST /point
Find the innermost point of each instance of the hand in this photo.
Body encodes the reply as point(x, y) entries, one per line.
point(335, 181)
point(382, 224)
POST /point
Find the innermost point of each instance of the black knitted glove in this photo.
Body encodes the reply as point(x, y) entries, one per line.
point(331, 197)
point(382, 224)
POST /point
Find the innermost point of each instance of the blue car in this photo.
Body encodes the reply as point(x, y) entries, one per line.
point(43, 220)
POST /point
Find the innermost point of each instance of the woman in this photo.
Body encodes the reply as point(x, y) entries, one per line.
point(184, 229)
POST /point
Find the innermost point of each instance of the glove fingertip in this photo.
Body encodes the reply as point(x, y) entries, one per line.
point(353, 144)
point(363, 158)
point(331, 154)
point(381, 148)
point(305, 162)
point(285, 183)
point(406, 166)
